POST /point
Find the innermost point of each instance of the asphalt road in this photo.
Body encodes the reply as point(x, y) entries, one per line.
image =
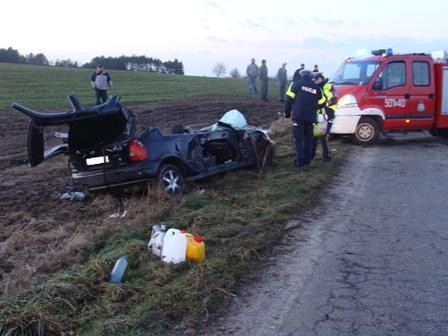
point(372, 260)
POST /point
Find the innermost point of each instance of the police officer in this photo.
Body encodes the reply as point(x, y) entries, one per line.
point(330, 105)
point(319, 79)
point(304, 98)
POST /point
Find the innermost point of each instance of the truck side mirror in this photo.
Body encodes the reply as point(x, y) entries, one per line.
point(378, 85)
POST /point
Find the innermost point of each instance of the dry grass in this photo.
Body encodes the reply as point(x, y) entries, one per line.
point(65, 288)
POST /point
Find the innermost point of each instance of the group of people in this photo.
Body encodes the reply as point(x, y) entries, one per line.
point(309, 95)
point(254, 71)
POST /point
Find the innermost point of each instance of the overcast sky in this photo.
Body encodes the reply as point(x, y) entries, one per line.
point(201, 33)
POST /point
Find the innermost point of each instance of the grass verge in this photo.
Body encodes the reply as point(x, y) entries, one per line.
point(240, 214)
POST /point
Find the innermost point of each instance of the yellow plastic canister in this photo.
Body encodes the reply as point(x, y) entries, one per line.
point(195, 247)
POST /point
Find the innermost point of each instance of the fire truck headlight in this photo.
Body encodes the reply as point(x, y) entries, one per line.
point(347, 101)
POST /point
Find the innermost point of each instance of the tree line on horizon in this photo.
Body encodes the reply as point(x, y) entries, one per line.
point(129, 63)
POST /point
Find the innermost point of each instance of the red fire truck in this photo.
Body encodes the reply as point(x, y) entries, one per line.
point(388, 93)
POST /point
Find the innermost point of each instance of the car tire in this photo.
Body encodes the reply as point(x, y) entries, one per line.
point(367, 132)
point(171, 180)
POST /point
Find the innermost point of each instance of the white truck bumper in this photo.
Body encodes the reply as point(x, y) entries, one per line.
point(345, 120)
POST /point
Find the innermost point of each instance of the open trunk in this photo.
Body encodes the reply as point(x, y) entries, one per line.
point(87, 128)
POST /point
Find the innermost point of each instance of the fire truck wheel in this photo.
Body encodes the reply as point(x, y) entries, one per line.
point(434, 132)
point(441, 132)
point(367, 132)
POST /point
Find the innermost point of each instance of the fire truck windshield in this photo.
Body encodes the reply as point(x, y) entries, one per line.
point(355, 72)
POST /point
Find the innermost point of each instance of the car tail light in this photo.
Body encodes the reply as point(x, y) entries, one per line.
point(137, 151)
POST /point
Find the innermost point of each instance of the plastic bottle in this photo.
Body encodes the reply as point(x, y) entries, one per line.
point(155, 244)
point(118, 271)
point(195, 248)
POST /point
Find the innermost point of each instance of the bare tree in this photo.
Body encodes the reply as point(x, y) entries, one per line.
point(219, 69)
point(234, 73)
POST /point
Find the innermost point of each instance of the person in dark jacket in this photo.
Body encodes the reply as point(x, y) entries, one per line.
point(282, 77)
point(252, 72)
point(319, 79)
point(296, 74)
point(101, 82)
point(264, 80)
point(304, 98)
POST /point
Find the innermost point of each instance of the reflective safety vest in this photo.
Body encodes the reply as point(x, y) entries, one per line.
point(321, 110)
point(328, 92)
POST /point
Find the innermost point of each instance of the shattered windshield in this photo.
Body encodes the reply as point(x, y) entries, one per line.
point(355, 72)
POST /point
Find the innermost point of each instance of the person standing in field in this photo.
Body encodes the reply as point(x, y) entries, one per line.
point(296, 75)
point(252, 74)
point(101, 82)
point(264, 80)
point(282, 77)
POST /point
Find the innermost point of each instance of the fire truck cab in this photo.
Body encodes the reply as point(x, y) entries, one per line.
point(385, 93)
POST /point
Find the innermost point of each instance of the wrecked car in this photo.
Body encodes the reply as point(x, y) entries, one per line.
point(105, 151)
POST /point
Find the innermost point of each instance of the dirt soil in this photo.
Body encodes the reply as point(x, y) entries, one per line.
point(39, 234)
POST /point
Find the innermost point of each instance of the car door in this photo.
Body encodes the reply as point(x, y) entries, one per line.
point(421, 96)
point(390, 89)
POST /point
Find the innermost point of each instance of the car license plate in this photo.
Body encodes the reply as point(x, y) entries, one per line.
point(97, 160)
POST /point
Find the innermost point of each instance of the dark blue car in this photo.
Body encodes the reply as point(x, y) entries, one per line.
point(106, 153)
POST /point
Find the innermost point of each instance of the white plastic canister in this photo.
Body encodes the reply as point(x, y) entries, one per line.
point(174, 246)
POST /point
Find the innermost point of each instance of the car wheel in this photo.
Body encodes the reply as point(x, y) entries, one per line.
point(171, 180)
point(367, 132)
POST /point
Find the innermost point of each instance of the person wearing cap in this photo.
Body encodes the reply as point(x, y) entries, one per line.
point(252, 74)
point(264, 80)
point(101, 82)
point(319, 79)
point(303, 98)
point(316, 68)
point(282, 77)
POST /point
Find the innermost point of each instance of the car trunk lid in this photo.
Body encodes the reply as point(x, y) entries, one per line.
point(89, 129)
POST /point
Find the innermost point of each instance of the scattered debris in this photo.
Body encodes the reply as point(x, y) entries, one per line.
point(155, 244)
point(116, 276)
point(119, 215)
point(195, 247)
point(292, 224)
point(71, 195)
point(18, 162)
point(175, 246)
point(174, 249)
